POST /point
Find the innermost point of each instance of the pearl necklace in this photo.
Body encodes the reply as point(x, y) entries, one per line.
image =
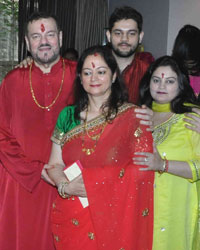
point(58, 94)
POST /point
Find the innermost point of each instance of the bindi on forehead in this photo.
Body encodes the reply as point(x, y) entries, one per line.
point(42, 27)
point(163, 75)
point(93, 65)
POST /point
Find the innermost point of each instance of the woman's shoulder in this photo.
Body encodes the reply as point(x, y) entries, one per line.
point(127, 106)
point(67, 110)
point(66, 118)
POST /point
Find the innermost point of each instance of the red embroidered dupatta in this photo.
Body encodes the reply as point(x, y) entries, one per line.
point(120, 211)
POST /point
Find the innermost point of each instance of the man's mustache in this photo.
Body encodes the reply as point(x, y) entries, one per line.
point(124, 44)
point(45, 45)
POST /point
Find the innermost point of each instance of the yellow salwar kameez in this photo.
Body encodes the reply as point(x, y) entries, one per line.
point(176, 199)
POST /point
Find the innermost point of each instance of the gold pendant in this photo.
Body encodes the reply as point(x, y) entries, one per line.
point(88, 151)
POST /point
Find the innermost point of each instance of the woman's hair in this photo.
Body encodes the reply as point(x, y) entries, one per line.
point(187, 48)
point(118, 95)
point(185, 94)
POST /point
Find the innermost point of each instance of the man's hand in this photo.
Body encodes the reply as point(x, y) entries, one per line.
point(193, 120)
point(45, 176)
point(25, 63)
point(146, 115)
point(150, 161)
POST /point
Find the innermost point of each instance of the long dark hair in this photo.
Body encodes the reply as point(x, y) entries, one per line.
point(186, 48)
point(186, 93)
point(118, 94)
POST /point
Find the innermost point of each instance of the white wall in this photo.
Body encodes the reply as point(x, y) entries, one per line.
point(162, 20)
point(155, 14)
point(181, 12)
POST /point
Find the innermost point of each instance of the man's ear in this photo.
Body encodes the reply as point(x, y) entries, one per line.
point(60, 38)
point(141, 36)
point(108, 35)
point(27, 43)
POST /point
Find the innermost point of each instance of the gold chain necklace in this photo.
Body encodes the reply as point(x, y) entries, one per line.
point(59, 91)
point(89, 151)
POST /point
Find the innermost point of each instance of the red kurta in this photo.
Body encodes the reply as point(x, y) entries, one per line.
point(25, 130)
point(132, 75)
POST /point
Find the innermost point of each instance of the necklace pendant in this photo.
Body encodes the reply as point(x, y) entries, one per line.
point(94, 138)
point(48, 109)
point(88, 151)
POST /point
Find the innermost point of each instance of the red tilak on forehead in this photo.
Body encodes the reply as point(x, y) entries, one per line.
point(93, 65)
point(95, 54)
point(42, 27)
point(163, 75)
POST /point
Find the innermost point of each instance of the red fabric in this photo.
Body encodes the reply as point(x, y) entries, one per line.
point(116, 205)
point(146, 56)
point(132, 75)
point(25, 130)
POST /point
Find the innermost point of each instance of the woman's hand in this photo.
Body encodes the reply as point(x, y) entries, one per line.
point(25, 63)
point(146, 115)
point(45, 176)
point(193, 120)
point(151, 161)
point(76, 187)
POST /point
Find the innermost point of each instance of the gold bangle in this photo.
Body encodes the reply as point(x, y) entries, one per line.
point(165, 165)
point(61, 189)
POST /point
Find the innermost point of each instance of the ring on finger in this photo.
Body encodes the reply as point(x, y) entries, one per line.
point(145, 159)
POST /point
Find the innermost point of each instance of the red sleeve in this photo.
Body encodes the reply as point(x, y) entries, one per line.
point(21, 168)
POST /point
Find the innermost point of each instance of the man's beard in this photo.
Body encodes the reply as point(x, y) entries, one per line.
point(124, 54)
point(46, 59)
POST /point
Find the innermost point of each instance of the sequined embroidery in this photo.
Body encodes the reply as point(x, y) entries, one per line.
point(196, 169)
point(91, 236)
point(138, 132)
point(121, 173)
point(145, 212)
point(79, 130)
point(162, 131)
point(75, 222)
point(56, 238)
point(57, 136)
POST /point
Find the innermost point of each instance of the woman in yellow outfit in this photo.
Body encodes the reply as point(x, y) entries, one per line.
point(165, 88)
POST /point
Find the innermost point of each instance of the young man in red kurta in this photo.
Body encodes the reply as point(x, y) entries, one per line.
point(124, 35)
point(30, 101)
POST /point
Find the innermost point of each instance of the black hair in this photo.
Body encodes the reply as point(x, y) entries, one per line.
point(186, 48)
point(73, 52)
point(125, 12)
point(40, 15)
point(118, 95)
point(186, 93)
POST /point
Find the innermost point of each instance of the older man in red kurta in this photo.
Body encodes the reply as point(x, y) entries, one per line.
point(30, 101)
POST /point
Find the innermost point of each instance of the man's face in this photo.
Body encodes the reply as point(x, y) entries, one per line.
point(43, 40)
point(125, 37)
